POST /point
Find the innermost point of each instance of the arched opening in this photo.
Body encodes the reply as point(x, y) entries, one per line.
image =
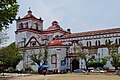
point(98, 42)
point(75, 64)
point(116, 41)
point(119, 41)
point(90, 43)
point(95, 43)
point(87, 44)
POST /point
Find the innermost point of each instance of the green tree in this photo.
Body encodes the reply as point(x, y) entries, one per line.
point(114, 55)
point(45, 56)
point(41, 56)
point(96, 64)
point(8, 12)
point(3, 37)
point(115, 58)
point(86, 57)
point(10, 56)
point(37, 58)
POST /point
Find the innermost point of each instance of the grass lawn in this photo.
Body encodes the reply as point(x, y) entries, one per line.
point(83, 77)
point(68, 77)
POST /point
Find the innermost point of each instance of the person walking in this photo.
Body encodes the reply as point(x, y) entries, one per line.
point(44, 72)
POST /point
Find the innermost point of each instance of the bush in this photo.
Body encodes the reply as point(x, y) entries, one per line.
point(95, 64)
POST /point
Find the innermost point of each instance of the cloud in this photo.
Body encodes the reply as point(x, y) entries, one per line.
point(79, 15)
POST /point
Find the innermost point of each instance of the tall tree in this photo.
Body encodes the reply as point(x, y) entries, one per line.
point(10, 56)
point(115, 58)
point(3, 37)
point(86, 57)
point(8, 12)
point(114, 55)
point(37, 58)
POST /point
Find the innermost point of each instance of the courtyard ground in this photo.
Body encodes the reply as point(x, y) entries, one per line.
point(67, 77)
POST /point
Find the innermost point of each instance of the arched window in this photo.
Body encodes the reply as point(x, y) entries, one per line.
point(116, 41)
point(21, 25)
point(90, 44)
point(26, 24)
point(99, 42)
point(95, 43)
point(109, 42)
point(106, 42)
point(119, 41)
point(87, 44)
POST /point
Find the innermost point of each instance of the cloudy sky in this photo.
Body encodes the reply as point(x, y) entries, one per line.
point(78, 15)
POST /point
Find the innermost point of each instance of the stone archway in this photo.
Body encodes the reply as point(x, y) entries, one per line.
point(75, 64)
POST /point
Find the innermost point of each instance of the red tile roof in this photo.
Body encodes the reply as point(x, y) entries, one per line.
point(29, 15)
point(52, 27)
point(56, 43)
point(106, 31)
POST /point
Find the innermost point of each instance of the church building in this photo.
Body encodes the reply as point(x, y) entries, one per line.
point(61, 45)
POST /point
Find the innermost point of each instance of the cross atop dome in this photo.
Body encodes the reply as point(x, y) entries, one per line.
point(29, 11)
point(29, 8)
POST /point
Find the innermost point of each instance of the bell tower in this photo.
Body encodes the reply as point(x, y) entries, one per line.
point(29, 22)
point(27, 26)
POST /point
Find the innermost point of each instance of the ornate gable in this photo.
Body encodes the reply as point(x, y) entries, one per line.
point(32, 42)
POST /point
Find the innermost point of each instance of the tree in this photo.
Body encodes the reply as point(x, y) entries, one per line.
point(8, 12)
point(41, 56)
point(114, 55)
point(3, 37)
point(96, 64)
point(86, 56)
point(45, 56)
point(37, 58)
point(10, 56)
point(115, 58)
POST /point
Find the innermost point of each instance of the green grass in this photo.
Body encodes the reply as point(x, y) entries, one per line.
point(83, 77)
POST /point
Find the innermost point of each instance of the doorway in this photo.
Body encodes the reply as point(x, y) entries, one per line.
point(75, 64)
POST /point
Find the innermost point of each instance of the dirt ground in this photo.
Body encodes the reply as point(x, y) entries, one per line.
point(67, 77)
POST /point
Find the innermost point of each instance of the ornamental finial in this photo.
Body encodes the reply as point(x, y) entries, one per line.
point(29, 8)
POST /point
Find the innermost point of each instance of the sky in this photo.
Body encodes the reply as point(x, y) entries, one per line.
point(78, 15)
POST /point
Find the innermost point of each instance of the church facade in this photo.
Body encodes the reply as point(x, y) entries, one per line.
point(61, 45)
